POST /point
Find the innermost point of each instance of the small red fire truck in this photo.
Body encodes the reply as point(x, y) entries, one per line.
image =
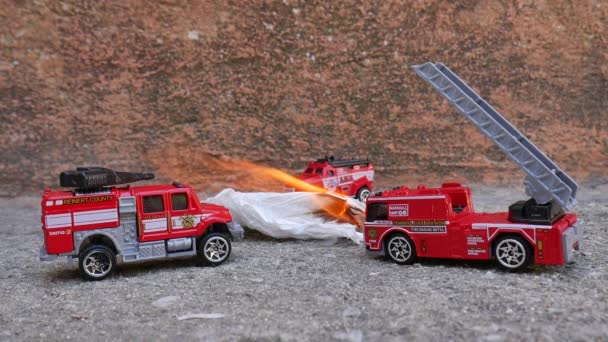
point(97, 222)
point(350, 177)
point(440, 222)
point(404, 223)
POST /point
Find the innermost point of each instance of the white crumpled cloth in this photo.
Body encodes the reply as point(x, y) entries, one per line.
point(286, 215)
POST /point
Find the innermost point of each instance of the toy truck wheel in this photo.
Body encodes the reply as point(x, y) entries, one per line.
point(96, 262)
point(513, 253)
point(363, 194)
point(214, 249)
point(400, 249)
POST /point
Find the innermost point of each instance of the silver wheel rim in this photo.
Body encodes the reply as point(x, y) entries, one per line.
point(511, 253)
point(97, 264)
point(399, 249)
point(216, 249)
point(364, 195)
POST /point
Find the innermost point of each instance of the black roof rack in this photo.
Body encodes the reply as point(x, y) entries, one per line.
point(331, 160)
point(88, 178)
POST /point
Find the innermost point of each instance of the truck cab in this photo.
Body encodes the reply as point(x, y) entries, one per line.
point(350, 177)
point(315, 173)
point(170, 211)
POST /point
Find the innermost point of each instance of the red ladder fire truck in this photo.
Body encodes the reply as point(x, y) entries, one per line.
point(351, 177)
point(403, 224)
point(98, 222)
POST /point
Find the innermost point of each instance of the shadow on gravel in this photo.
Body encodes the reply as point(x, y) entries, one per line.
point(254, 235)
point(482, 265)
point(63, 275)
point(478, 264)
point(143, 267)
point(126, 270)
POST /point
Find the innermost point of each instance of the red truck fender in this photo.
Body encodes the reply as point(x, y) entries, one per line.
point(362, 182)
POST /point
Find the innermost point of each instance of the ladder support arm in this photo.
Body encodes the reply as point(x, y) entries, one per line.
point(545, 181)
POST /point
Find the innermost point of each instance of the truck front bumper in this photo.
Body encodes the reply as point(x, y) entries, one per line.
point(571, 240)
point(237, 232)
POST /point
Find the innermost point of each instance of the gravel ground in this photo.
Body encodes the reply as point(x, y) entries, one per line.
point(305, 290)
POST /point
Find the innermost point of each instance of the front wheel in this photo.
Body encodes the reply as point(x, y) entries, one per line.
point(96, 262)
point(400, 249)
point(513, 253)
point(363, 194)
point(214, 249)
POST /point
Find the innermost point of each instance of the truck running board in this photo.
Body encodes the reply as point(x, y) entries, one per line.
point(545, 181)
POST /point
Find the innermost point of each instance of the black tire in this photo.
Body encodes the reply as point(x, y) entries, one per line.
point(214, 249)
point(512, 253)
point(400, 249)
point(363, 194)
point(96, 262)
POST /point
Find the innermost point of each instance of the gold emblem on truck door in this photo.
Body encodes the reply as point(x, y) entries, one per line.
point(188, 221)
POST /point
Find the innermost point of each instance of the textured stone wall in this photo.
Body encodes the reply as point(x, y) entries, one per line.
point(168, 86)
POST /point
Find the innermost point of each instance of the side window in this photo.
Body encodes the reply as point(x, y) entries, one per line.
point(319, 170)
point(331, 173)
point(153, 204)
point(308, 170)
point(179, 201)
point(376, 211)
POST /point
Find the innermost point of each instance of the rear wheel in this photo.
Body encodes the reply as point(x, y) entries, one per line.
point(214, 249)
point(400, 249)
point(363, 194)
point(513, 253)
point(96, 262)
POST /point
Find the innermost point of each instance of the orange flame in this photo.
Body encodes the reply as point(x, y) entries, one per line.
point(335, 205)
point(214, 172)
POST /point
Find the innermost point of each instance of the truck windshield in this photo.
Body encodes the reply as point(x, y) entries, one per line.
point(308, 170)
point(319, 171)
point(459, 202)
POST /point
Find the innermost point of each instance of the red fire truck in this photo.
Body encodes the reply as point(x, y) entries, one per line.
point(440, 222)
point(403, 224)
point(350, 177)
point(97, 222)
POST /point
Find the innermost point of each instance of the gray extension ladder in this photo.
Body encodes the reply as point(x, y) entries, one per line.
point(545, 180)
